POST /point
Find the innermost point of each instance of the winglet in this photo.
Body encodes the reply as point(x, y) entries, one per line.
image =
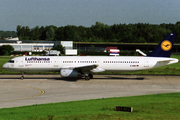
point(164, 48)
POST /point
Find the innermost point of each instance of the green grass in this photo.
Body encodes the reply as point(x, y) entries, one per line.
point(154, 107)
point(173, 69)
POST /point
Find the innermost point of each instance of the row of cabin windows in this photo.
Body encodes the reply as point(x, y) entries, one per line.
point(39, 61)
point(120, 61)
point(85, 61)
point(80, 61)
point(67, 61)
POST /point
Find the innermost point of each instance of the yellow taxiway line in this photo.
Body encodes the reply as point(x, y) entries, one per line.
point(42, 92)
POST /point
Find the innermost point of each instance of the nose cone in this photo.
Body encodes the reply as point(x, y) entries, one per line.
point(5, 66)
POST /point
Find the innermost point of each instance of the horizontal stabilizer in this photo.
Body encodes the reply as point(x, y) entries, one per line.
point(169, 60)
point(165, 60)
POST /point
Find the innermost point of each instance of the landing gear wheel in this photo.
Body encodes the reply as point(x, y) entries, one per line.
point(87, 77)
point(22, 77)
point(91, 76)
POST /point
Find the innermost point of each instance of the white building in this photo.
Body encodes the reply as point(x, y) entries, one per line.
point(34, 47)
point(67, 44)
point(10, 38)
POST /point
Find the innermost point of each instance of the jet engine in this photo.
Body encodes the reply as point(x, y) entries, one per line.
point(69, 73)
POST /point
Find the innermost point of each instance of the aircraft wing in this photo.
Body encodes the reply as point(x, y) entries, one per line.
point(85, 68)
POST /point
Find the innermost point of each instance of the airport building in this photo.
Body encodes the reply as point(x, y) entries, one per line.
point(31, 47)
point(28, 45)
point(35, 46)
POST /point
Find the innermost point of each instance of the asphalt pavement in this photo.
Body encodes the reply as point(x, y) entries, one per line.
point(41, 89)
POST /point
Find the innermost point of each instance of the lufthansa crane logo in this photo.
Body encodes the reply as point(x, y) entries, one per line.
point(166, 45)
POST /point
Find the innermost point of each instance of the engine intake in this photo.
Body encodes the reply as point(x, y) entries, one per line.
point(69, 73)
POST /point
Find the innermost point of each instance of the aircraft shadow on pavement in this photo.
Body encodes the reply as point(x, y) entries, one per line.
point(47, 78)
point(108, 77)
point(76, 79)
point(65, 79)
point(123, 78)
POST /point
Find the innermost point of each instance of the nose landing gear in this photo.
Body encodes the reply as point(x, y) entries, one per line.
point(22, 77)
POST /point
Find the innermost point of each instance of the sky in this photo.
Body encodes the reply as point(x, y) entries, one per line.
point(86, 12)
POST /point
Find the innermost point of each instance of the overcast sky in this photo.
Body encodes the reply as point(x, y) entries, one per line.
point(86, 12)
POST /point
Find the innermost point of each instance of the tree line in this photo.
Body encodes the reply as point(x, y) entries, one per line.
point(100, 32)
point(6, 34)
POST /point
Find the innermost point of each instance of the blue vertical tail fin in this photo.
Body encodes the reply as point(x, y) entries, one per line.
point(164, 48)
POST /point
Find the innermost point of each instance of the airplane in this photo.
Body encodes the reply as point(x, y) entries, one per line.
point(84, 66)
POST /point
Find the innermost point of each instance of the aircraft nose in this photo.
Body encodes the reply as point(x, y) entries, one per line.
point(5, 66)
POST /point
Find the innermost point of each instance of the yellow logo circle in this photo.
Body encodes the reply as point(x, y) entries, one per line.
point(166, 45)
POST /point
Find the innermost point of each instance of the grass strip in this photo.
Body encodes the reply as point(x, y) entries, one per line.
point(153, 107)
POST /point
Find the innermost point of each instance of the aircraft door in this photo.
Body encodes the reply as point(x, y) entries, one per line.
point(55, 63)
point(21, 63)
point(146, 62)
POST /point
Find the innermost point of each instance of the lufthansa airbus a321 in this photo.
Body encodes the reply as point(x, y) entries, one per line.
point(79, 66)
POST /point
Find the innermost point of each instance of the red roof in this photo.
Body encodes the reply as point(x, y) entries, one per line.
point(108, 48)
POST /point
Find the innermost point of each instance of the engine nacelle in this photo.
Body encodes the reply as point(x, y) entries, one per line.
point(69, 73)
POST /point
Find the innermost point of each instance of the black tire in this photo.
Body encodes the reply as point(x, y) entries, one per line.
point(22, 77)
point(87, 77)
point(91, 76)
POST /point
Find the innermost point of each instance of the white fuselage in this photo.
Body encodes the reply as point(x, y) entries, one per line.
point(104, 63)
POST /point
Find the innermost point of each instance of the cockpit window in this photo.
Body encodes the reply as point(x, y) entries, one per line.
point(11, 61)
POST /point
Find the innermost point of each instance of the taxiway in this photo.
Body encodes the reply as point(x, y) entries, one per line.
point(40, 89)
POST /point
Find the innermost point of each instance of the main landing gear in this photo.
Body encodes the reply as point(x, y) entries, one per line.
point(88, 76)
point(22, 77)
